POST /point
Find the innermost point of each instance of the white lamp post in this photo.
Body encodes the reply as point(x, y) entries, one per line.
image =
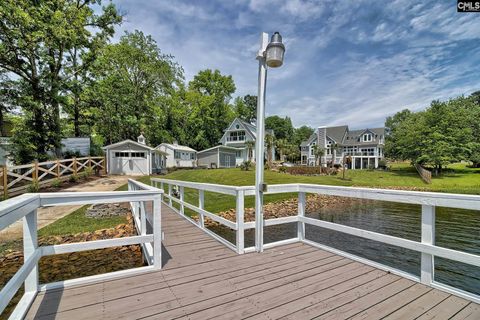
point(271, 55)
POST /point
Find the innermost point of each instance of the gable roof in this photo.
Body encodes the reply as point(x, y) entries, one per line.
point(128, 141)
point(176, 147)
point(251, 129)
point(337, 133)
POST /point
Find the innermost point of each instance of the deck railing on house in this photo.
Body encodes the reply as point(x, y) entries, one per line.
point(25, 207)
point(427, 200)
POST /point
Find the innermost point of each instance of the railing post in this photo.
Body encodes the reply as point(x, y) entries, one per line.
point(143, 218)
point(182, 207)
point(240, 213)
point(5, 182)
point(30, 244)
point(428, 237)
point(35, 172)
point(104, 164)
point(301, 213)
point(74, 166)
point(201, 205)
point(57, 169)
point(170, 195)
point(157, 232)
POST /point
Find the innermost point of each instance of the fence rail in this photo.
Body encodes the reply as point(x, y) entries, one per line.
point(25, 207)
point(425, 174)
point(18, 179)
point(426, 246)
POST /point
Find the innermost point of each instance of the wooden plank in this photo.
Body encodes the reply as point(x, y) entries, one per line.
point(420, 305)
point(392, 304)
point(445, 309)
point(470, 312)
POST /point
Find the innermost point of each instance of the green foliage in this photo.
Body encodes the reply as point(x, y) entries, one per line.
point(282, 127)
point(73, 178)
point(246, 108)
point(444, 133)
point(33, 187)
point(246, 165)
point(134, 80)
point(56, 183)
point(36, 39)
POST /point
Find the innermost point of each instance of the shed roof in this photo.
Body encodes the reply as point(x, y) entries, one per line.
point(176, 147)
point(128, 141)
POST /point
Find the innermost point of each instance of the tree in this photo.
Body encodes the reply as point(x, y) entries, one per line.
point(301, 134)
point(282, 127)
point(214, 113)
point(333, 150)
point(281, 146)
point(246, 108)
point(318, 153)
point(269, 143)
point(135, 82)
point(391, 135)
point(250, 145)
point(34, 39)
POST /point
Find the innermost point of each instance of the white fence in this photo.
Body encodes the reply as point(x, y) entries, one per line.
point(25, 207)
point(428, 201)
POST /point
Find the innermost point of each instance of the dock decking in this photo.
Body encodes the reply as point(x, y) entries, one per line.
point(202, 279)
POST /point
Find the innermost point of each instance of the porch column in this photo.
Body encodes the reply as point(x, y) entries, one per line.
point(376, 162)
point(361, 163)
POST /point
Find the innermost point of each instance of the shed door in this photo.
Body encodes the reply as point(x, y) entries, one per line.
point(130, 162)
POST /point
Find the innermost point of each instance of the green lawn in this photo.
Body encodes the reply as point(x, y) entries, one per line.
point(457, 179)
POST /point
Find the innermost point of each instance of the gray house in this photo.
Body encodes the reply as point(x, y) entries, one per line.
point(218, 157)
point(362, 148)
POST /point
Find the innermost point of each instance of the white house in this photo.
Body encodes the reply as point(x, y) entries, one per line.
point(237, 135)
point(178, 156)
point(134, 158)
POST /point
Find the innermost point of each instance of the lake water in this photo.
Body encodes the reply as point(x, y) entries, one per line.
point(455, 229)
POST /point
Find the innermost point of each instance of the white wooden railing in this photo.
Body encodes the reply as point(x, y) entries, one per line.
point(427, 200)
point(25, 207)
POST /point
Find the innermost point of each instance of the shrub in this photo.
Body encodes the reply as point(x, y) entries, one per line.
point(56, 183)
point(73, 178)
point(382, 164)
point(245, 165)
point(33, 187)
point(282, 169)
point(88, 171)
point(304, 170)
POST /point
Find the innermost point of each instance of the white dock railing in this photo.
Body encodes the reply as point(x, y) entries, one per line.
point(427, 200)
point(25, 207)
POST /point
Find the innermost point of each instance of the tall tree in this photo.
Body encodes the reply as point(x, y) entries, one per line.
point(217, 90)
point(135, 82)
point(282, 127)
point(300, 134)
point(391, 135)
point(246, 108)
point(34, 39)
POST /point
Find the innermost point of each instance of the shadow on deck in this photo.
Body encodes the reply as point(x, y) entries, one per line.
point(203, 279)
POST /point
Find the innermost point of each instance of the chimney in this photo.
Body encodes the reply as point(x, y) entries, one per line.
point(322, 137)
point(141, 138)
point(175, 142)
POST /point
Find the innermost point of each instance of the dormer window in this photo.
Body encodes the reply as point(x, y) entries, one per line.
point(367, 137)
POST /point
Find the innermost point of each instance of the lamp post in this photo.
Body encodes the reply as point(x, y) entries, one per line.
point(271, 55)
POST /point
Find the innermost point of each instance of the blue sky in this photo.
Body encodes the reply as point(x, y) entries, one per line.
point(346, 62)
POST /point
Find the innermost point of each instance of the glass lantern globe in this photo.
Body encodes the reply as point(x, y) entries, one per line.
point(275, 51)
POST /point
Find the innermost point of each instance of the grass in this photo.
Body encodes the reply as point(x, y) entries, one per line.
point(77, 222)
point(457, 179)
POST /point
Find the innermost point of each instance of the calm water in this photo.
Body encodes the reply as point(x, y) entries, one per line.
point(455, 229)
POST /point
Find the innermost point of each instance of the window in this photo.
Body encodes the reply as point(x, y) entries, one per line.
point(192, 156)
point(176, 154)
point(121, 155)
point(236, 136)
point(367, 137)
point(312, 149)
point(237, 126)
point(238, 153)
point(138, 155)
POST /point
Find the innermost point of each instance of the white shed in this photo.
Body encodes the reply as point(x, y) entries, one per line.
point(179, 156)
point(134, 158)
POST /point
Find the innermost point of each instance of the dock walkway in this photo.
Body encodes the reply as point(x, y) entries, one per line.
point(202, 279)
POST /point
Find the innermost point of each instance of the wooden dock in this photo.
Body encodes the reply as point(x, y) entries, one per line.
point(202, 279)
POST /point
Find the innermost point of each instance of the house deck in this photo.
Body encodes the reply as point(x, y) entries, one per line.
point(203, 279)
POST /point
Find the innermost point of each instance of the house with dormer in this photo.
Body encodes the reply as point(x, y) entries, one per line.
point(236, 137)
point(359, 149)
